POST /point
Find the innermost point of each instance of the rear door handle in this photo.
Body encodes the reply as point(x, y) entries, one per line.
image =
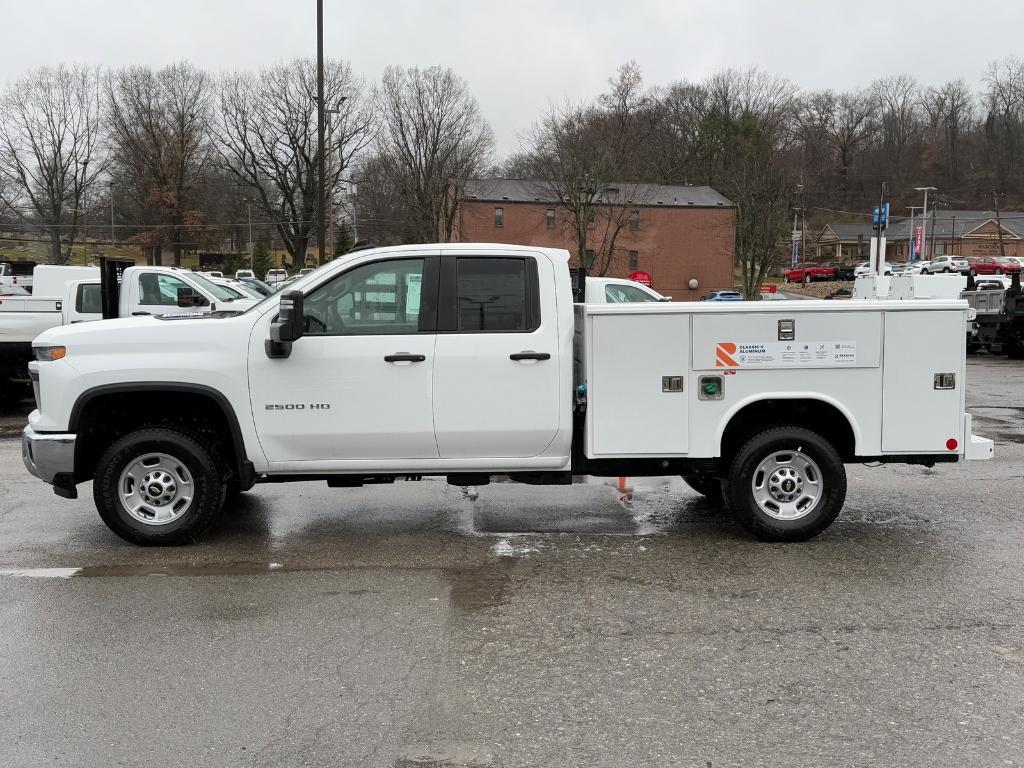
point(529, 354)
point(140, 314)
point(404, 357)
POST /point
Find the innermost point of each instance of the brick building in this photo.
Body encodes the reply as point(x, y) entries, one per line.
point(958, 233)
point(674, 233)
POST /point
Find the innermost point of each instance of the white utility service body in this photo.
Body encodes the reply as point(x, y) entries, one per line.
point(468, 360)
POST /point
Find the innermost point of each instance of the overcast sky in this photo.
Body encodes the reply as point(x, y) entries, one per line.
point(519, 56)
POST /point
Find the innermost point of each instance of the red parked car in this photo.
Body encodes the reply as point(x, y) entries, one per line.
point(992, 265)
point(808, 273)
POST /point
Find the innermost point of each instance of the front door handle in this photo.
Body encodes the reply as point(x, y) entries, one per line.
point(141, 314)
point(404, 357)
point(529, 354)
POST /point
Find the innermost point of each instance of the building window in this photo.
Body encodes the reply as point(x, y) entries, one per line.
point(634, 220)
point(590, 218)
point(634, 261)
point(499, 217)
point(939, 249)
point(589, 258)
point(549, 218)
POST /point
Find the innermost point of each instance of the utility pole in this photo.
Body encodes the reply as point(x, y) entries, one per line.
point(999, 226)
point(924, 219)
point(911, 253)
point(952, 237)
point(248, 205)
point(111, 217)
point(321, 224)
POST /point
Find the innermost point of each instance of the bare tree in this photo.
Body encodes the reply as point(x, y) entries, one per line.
point(433, 138)
point(951, 115)
point(844, 123)
point(267, 137)
point(584, 156)
point(1004, 123)
point(900, 120)
point(49, 132)
point(158, 123)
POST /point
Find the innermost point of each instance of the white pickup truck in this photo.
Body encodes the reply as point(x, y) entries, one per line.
point(66, 295)
point(469, 361)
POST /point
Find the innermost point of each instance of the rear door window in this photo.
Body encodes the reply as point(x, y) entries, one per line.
point(496, 295)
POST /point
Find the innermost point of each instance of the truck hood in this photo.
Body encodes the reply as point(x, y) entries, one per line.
point(113, 335)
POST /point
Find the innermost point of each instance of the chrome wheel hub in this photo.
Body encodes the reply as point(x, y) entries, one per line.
point(787, 485)
point(156, 489)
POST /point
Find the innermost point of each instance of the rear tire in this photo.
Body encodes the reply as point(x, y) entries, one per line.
point(786, 483)
point(808, 278)
point(158, 487)
point(707, 486)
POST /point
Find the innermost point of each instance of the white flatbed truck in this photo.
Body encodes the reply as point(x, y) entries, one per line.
point(468, 361)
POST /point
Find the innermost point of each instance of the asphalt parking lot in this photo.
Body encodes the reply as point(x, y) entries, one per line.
point(413, 626)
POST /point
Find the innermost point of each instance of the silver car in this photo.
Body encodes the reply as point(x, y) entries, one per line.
point(948, 264)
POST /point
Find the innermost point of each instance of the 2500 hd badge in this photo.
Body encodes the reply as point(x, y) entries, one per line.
point(298, 406)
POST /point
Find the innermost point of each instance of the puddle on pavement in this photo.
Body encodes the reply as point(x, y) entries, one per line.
point(170, 569)
point(476, 589)
point(445, 756)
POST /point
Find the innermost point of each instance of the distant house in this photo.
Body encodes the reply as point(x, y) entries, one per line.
point(843, 242)
point(960, 233)
point(674, 233)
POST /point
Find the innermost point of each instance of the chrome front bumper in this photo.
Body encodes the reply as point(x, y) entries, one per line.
point(48, 455)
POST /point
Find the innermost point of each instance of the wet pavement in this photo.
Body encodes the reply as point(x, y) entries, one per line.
point(411, 625)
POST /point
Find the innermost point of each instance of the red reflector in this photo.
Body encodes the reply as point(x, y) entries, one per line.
point(952, 444)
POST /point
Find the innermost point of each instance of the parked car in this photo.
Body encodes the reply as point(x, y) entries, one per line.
point(275, 276)
point(864, 268)
point(917, 268)
point(243, 274)
point(840, 270)
point(808, 273)
point(948, 264)
point(212, 273)
point(991, 265)
point(257, 285)
point(723, 296)
point(306, 271)
point(617, 290)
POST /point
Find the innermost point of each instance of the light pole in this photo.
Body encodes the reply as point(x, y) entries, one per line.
point(248, 205)
point(912, 254)
point(111, 218)
point(321, 229)
point(924, 217)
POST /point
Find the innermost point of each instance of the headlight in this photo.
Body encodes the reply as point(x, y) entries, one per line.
point(49, 354)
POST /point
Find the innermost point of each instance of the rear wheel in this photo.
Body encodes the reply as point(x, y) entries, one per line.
point(999, 271)
point(707, 486)
point(158, 487)
point(807, 278)
point(786, 484)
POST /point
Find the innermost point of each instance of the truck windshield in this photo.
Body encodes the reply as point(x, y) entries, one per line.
point(217, 291)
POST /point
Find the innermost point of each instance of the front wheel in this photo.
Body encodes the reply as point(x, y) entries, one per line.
point(999, 271)
point(158, 487)
point(807, 278)
point(786, 484)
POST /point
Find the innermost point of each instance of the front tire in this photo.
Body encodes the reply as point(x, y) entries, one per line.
point(807, 278)
point(786, 483)
point(158, 487)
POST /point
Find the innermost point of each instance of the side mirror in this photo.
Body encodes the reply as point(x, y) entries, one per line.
point(288, 326)
point(187, 297)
